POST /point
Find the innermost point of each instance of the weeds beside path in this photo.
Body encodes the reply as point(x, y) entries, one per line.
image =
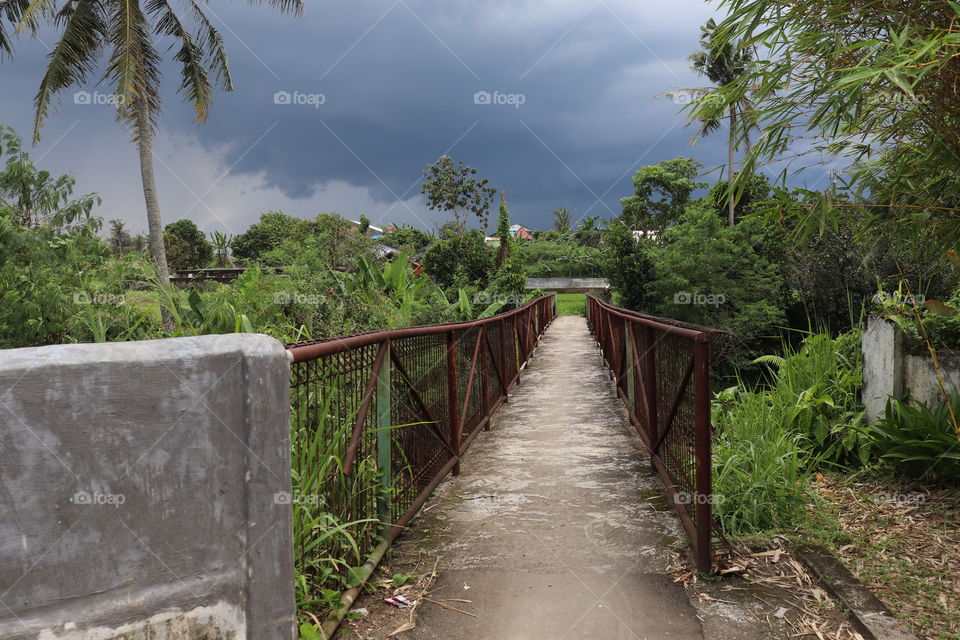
point(904, 544)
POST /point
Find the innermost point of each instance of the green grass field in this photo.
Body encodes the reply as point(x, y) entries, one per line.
point(571, 304)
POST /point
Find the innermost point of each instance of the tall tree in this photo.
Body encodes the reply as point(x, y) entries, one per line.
point(125, 32)
point(451, 186)
point(723, 62)
point(120, 240)
point(35, 197)
point(561, 220)
point(661, 194)
point(503, 231)
point(875, 84)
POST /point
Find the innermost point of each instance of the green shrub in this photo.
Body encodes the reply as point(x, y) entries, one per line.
point(628, 268)
point(559, 259)
point(759, 478)
point(715, 275)
point(187, 246)
point(771, 438)
point(460, 260)
point(919, 441)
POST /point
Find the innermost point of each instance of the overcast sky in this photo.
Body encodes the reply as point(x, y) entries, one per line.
point(341, 109)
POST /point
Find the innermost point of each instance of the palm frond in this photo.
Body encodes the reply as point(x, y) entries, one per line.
point(283, 6)
point(29, 14)
point(12, 11)
point(194, 81)
point(133, 67)
point(707, 126)
point(73, 56)
point(212, 43)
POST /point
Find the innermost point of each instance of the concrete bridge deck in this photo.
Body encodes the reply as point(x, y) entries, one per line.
point(556, 527)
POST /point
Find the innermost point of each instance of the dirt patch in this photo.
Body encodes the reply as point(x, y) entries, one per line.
point(904, 544)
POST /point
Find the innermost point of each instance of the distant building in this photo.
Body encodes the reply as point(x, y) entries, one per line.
point(650, 234)
point(372, 230)
point(520, 232)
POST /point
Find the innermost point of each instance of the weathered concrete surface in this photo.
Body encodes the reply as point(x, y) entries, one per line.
point(138, 491)
point(890, 370)
point(578, 284)
point(882, 365)
point(872, 617)
point(556, 524)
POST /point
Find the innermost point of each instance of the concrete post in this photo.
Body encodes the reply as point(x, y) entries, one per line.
point(146, 490)
point(883, 373)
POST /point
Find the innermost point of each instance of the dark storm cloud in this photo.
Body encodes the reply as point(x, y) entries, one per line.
point(400, 83)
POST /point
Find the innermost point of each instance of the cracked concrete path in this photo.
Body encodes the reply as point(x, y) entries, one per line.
point(556, 527)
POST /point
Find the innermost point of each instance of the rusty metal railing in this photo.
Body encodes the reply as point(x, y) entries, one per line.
point(662, 373)
point(401, 407)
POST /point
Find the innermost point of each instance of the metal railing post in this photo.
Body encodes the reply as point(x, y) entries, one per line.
point(503, 359)
point(453, 396)
point(384, 439)
point(650, 382)
point(628, 360)
point(484, 376)
point(702, 436)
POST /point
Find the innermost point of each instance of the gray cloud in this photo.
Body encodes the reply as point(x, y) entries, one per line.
point(398, 80)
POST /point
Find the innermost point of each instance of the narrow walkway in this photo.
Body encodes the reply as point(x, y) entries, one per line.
point(556, 527)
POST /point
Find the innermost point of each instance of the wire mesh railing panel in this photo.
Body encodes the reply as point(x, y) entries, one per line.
point(326, 396)
point(418, 409)
point(662, 371)
point(375, 425)
point(676, 411)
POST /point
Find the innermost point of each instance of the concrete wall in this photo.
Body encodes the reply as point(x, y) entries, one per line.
point(888, 370)
point(582, 284)
point(920, 378)
point(138, 486)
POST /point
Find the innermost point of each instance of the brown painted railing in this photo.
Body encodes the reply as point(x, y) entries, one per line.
point(662, 372)
point(402, 407)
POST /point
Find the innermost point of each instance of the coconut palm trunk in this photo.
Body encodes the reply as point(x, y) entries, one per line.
point(731, 148)
point(154, 223)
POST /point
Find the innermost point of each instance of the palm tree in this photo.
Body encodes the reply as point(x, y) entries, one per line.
point(124, 32)
point(722, 62)
point(120, 239)
point(221, 247)
point(561, 220)
point(588, 232)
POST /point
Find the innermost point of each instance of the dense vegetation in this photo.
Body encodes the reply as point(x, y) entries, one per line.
point(792, 273)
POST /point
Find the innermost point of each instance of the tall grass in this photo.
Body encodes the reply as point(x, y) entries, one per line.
point(758, 468)
point(772, 436)
point(329, 538)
